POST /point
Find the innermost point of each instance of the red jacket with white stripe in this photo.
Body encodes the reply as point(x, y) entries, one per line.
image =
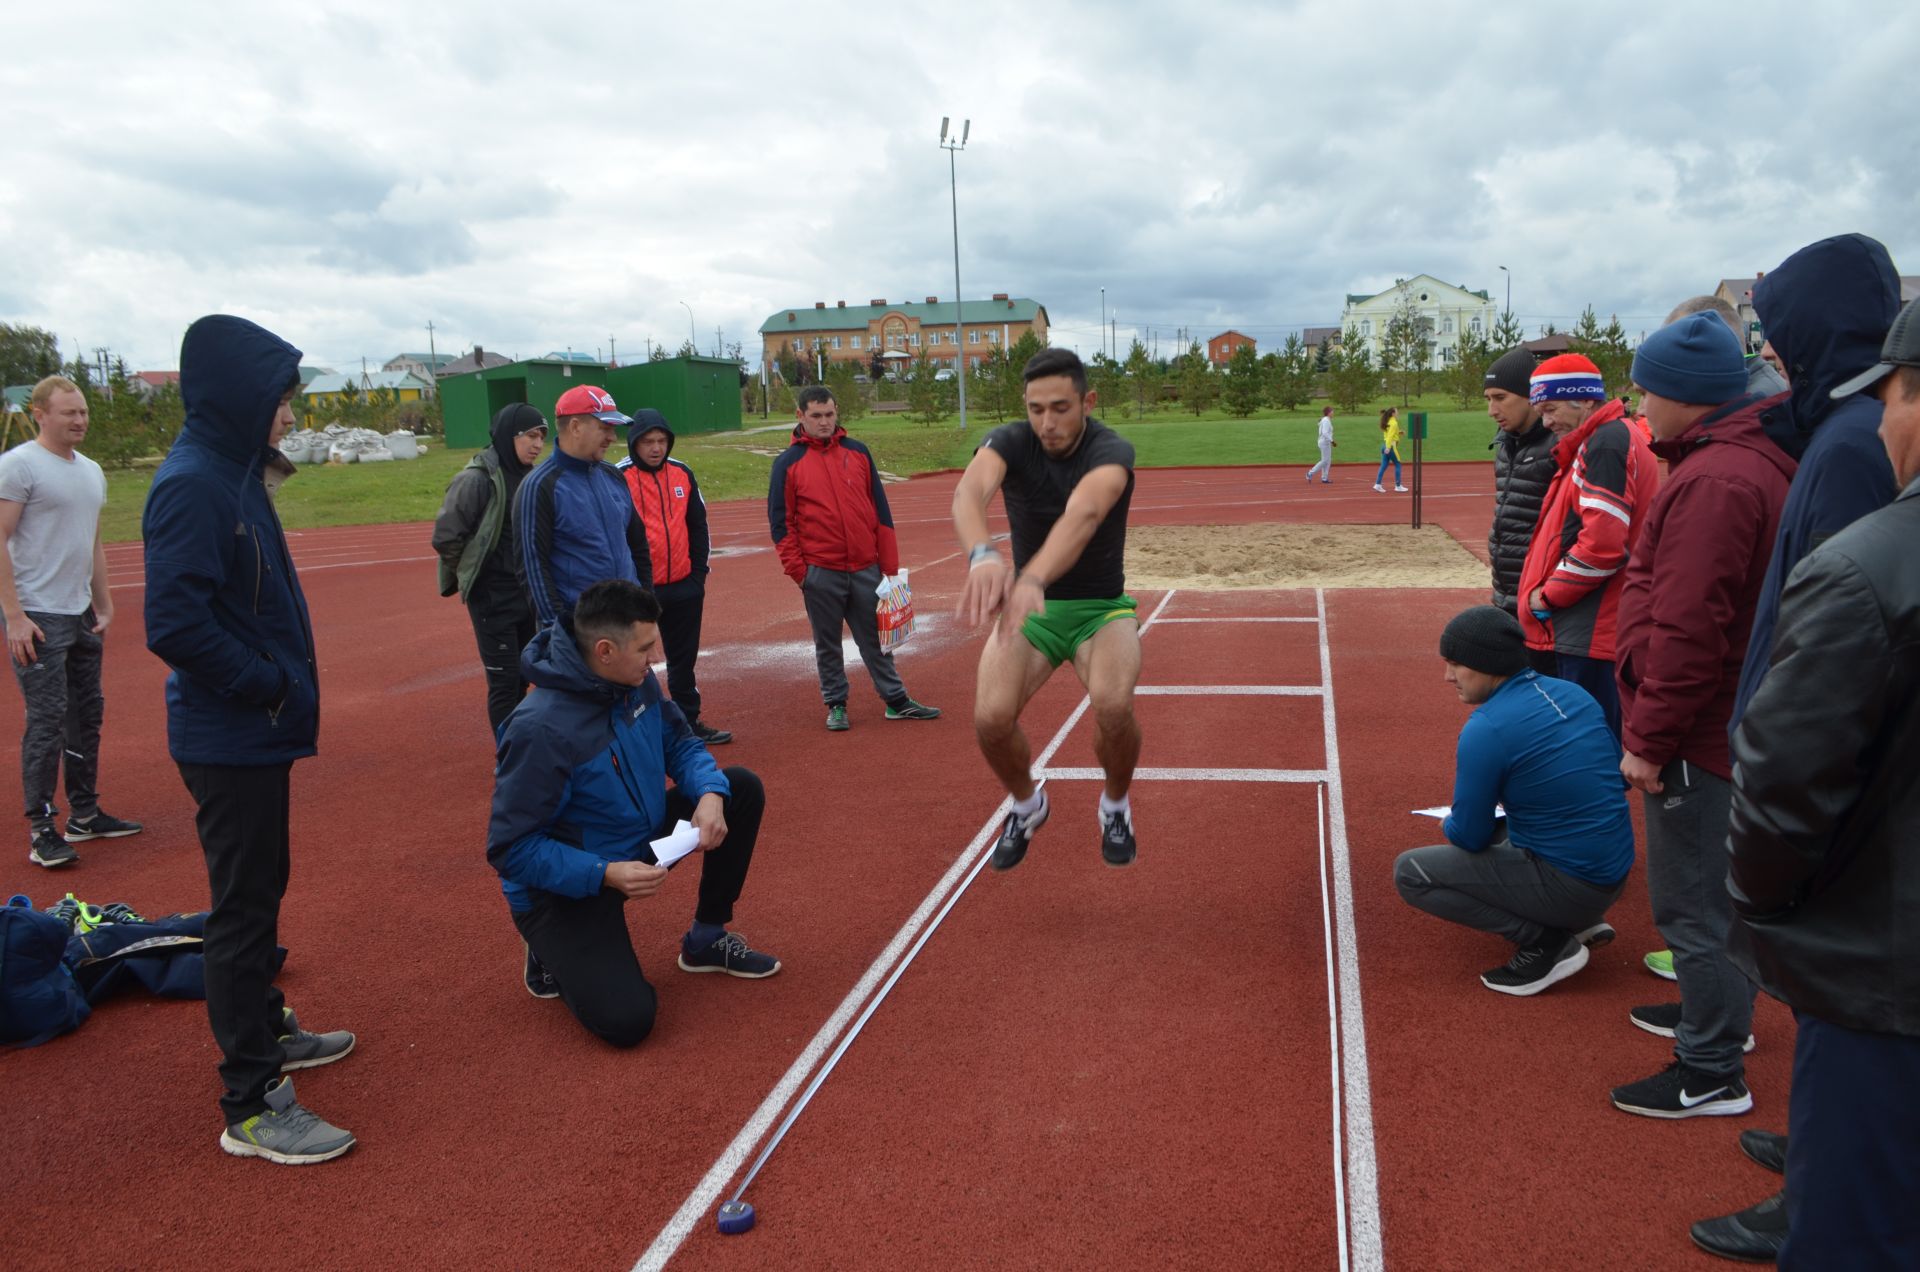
point(1589, 523)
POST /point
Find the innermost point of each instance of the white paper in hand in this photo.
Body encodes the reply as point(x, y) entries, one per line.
point(1440, 812)
point(676, 843)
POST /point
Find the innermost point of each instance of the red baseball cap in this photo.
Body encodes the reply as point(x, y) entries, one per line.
point(589, 399)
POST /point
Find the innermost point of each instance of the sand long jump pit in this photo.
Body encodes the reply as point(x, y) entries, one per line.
point(1284, 556)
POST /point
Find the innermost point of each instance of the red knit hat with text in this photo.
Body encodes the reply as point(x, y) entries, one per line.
point(1567, 377)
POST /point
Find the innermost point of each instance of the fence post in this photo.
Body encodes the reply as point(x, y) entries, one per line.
point(1417, 430)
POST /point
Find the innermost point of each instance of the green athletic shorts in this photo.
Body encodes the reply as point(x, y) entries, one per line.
point(1067, 625)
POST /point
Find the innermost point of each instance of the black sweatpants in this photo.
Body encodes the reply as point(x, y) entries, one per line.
point(682, 606)
point(584, 944)
point(243, 820)
point(501, 628)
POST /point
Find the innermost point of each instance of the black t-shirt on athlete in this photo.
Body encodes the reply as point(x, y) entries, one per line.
point(1036, 490)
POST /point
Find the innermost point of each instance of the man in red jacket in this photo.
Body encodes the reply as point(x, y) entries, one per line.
point(834, 532)
point(674, 516)
point(1604, 479)
point(1685, 615)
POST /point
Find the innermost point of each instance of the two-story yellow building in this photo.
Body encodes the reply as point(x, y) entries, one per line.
point(899, 332)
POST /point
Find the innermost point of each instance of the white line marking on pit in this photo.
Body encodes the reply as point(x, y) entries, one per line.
point(1190, 775)
point(1236, 618)
point(1203, 691)
point(713, 1184)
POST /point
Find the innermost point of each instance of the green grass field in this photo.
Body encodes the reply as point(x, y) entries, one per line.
point(735, 465)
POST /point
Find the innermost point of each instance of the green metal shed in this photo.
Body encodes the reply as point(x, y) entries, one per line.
point(468, 401)
point(697, 395)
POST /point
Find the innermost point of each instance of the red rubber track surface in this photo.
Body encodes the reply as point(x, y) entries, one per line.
point(1085, 1067)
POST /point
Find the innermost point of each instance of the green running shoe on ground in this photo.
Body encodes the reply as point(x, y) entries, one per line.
point(837, 719)
point(1660, 963)
point(911, 710)
point(67, 910)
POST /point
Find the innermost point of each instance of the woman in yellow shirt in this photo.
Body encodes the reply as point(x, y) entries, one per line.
point(1389, 450)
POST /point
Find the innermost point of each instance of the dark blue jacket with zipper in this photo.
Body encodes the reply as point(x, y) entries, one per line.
point(580, 776)
point(223, 606)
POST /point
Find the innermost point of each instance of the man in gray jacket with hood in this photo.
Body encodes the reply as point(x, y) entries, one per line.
point(480, 556)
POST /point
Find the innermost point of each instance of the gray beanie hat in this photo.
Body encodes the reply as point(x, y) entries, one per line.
point(1485, 638)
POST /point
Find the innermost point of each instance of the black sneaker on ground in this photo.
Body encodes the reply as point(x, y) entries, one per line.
point(1534, 967)
point(1116, 839)
point(1017, 833)
point(911, 710)
point(1679, 1090)
point(538, 980)
point(710, 735)
point(1765, 1148)
point(50, 850)
point(100, 826)
point(730, 954)
point(1664, 1019)
point(1754, 1235)
point(1596, 936)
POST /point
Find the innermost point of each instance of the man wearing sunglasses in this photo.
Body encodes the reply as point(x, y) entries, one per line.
point(479, 558)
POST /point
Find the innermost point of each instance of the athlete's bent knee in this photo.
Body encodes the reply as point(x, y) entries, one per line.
point(624, 1025)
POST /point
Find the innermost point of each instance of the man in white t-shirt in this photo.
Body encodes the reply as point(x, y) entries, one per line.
point(1326, 443)
point(56, 606)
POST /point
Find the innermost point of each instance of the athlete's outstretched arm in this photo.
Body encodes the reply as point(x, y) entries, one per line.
point(1093, 497)
point(988, 574)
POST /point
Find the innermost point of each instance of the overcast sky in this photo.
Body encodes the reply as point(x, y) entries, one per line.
point(543, 178)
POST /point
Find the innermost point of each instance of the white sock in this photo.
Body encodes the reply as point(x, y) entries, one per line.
point(1110, 806)
point(1031, 804)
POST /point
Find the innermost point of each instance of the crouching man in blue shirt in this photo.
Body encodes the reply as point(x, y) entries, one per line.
point(1541, 747)
point(580, 791)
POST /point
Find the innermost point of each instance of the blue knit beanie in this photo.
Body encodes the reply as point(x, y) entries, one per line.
point(1696, 360)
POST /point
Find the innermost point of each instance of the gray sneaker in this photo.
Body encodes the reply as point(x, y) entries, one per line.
point(286, 1132)
point(309, 1050)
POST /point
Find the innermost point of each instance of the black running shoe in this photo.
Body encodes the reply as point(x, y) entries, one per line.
point(1116, 839)
point(539, 980)
point(1534, 967)
point(1754, 1235)
point(1664, 1019)
point(1680, 1090)
point(1765, 1148)
point(50, 850)
point(101, 826)
point(710, 735)
point(1011, 847)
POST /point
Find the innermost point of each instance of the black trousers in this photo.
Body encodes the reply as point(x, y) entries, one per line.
point(501, 628)
point(584, 944)
point(244, 831)
point(681, 610)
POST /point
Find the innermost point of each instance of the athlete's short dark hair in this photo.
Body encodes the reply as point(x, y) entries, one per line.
point(1057, 361)
point(609, 609)
point(811, 394)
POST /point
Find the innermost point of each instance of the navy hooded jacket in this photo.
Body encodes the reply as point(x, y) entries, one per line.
point(577, 527)
point(1826, 311)
point(580, 777)
point(224, 608)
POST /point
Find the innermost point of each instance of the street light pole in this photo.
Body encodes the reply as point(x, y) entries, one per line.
point(1103, 322)
point(959, 304)
point(693, 337)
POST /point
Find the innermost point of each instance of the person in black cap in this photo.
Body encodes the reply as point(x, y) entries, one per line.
point(1541, 747)
point(1522, 471)
point(479, 557)
point(667, 497)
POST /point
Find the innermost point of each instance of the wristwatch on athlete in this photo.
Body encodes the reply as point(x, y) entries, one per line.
point(980, 554)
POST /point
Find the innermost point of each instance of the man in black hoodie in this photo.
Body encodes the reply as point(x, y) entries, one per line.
point(1523, 468)
point(480, 558)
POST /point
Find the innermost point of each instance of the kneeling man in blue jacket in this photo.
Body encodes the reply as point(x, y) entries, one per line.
point(580, 791)
point(1539, 749)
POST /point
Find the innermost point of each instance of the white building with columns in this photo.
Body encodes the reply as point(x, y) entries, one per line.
point(1446, 311)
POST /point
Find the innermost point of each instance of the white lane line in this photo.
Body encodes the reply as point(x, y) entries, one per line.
point(1333, 1032)
point(309, 569)
point(1190, 775)
point(1236, 618)
point(1363, 1172)
point(1203, 691)
point(713, 1184)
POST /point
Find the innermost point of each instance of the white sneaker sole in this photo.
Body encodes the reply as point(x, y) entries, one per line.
point(1559, 972)
point(1596, 936)
point(240, 1148)
point(314, 1062)
point(81, 836)
point(731, 971)
point(1712, 1108)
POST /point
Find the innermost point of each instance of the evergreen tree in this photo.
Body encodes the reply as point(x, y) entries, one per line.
point(1292, 380)
point(1243, 383)
point(1199, 386)
point(1507, 334)
point(1466, 378)
point(923, 391)
point(1352, 379)
point(1145, 377)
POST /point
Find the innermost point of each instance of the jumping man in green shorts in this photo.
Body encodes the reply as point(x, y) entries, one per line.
point(1067, 480)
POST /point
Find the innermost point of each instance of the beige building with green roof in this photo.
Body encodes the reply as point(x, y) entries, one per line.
point(902, 331)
